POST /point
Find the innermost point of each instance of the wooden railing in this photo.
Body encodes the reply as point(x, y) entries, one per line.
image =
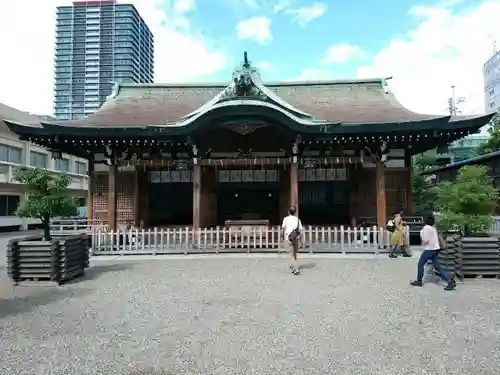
point(76, 225)
point(228, 240)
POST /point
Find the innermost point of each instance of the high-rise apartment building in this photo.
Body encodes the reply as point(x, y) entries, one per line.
point(98, 43)
point(491, 73)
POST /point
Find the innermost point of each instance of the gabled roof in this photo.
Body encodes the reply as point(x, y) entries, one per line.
point(342, 101)
point(15, 115)
point(481, 159)
point(327, 108)
point(360, 101)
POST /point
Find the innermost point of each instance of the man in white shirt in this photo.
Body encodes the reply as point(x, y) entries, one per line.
point(292, 227)
point(432, 246)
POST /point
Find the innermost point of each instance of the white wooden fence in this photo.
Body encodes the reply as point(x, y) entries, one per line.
point(314, 239)
point(76, 225)
point(229, 240)
point(495, 226)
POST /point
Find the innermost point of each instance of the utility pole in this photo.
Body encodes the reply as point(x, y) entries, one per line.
point(454, 103)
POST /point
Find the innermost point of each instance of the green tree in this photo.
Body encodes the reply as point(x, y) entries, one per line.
point(467, 204)
point(493, 142)
point(422, 194)
point(48, 196)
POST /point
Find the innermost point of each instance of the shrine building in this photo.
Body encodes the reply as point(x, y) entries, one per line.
point(201, 154)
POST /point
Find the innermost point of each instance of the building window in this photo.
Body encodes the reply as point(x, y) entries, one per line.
point(81, 168)
point(62, 165)
point(492, 92)
point(492, 104)
point(10, 154)
point(38, 159)
point(8, 204)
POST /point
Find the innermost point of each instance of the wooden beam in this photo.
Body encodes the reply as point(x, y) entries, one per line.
point(90, 192)
point(112, 175)
point(294, 186)
point(380, 189)
point(196, 196)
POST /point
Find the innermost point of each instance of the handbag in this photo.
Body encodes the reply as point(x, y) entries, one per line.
point(441, 241)
point(294, 234)
point(390, 226)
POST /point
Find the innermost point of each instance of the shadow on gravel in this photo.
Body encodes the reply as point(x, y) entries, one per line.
point(95, 272)
point(307, 266)
point(21, 303)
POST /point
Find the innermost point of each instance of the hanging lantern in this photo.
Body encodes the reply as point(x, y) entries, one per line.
point(309, 163)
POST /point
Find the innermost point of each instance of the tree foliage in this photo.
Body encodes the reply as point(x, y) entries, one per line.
point(422, 194)
point(48, 196)
point(493, 142)
point(467, 204)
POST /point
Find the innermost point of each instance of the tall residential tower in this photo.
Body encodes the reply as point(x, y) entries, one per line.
point(98, 43)
point(491, 72)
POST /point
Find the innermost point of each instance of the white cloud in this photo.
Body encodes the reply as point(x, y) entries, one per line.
point(181, 54)
point(184, 5)
point(306, 14)
point(446, 48)
point(264, 65)
point(281, 5)
point(255, 28)
point(341, 53)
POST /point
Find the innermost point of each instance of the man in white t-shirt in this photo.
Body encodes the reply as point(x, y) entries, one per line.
point(432, 246)
point(292, 227)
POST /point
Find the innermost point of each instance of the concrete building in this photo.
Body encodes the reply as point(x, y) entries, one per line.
point(15, 153)
point(98, 43)
point(491, 73)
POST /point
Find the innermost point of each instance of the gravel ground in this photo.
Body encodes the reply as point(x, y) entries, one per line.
point(250, 316)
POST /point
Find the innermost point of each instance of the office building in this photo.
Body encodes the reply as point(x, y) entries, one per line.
point(15, 153)
point(98, 43)
point(491, 73)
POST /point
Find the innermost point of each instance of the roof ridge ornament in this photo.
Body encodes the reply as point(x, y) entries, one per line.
point(244, 82)
point(247, 84)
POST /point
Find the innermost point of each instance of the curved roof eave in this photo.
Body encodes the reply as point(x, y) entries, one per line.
point(251, 103)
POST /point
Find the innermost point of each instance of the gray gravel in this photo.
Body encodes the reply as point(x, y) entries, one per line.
point(249, 316)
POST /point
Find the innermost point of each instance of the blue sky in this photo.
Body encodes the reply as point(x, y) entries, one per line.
point(427, 46)
point(295, 46)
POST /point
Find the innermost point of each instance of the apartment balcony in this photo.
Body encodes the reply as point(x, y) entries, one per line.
point(78, 182)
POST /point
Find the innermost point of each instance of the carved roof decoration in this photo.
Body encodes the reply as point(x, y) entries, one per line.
point(246, 87)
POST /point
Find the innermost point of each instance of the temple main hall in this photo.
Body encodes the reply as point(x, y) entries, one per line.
point(202, 154)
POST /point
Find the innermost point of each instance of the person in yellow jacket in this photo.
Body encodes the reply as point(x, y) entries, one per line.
point(398, 235)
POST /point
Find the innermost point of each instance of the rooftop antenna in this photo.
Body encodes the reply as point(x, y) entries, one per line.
point(495, 47)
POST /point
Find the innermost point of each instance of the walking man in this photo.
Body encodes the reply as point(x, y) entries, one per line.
point(291, 231)
point(432, 245)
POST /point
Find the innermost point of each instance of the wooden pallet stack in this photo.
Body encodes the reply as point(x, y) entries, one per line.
point(57, 260)
point(480, 256)
point(451, 256)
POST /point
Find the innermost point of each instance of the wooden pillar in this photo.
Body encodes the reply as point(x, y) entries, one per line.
point(196, 196)
point(90, 191)
point(137, 197)
point(112, 175)
point(380, 189)
point(409, 191)
point(294, 185)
